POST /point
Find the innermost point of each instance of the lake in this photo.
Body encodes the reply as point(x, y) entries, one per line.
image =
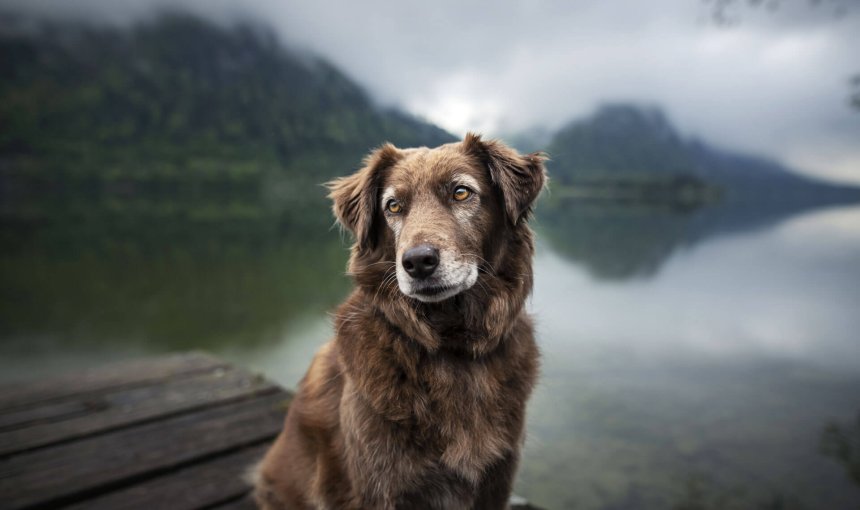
point(704, 359)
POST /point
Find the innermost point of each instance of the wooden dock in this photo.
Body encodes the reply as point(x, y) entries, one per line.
point(166, 433)
point(174, 433)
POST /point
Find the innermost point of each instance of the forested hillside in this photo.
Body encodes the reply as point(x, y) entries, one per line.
point(626, 150)
point(178, 106)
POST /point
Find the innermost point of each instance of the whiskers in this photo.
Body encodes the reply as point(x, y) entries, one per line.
point(386, 273)
point(365, 268)
point(484, 265)
point(347, 313)
point(389, 279)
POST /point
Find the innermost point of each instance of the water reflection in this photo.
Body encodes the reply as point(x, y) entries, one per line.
point(722, 367)
point(771, 293)
point(692, 357)
point(83, 292)
point(618, 241)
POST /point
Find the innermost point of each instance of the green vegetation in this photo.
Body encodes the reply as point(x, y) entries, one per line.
point(626, 153)
point(179, 111)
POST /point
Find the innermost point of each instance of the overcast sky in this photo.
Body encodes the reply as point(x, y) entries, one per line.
point(776, 83)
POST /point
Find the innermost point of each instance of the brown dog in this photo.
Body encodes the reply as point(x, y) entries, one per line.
point(419, 401)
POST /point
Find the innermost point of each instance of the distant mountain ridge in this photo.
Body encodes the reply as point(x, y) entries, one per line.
point(624, 144)
point(181, 106)
point(181, 79)
point(619, 142)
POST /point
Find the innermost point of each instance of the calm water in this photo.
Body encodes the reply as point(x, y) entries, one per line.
point(707, 383)
point(692, 359)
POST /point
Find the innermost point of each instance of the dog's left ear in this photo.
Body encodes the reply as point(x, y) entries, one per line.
point(520, 177)
point(355, 196)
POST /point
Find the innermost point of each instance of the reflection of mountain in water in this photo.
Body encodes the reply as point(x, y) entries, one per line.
point(618, 242)
point(169, 285)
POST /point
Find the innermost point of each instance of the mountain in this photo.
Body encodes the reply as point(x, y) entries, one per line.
point(619, 142)
point(625, 147)
point(630, 192)
point(178, 108)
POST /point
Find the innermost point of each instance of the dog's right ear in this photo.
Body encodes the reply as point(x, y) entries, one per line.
point(355, 197)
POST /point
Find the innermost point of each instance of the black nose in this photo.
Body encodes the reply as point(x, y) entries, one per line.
point(421, 261)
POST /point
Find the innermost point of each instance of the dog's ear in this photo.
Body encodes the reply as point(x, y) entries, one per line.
point(355, 196)
point(520, 177)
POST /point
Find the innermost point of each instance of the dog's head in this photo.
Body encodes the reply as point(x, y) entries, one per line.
point(436, 216)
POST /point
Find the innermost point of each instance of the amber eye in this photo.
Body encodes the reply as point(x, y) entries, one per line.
point(393, 206)
point(461, 193)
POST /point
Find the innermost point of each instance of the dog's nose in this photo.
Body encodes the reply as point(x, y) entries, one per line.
point(421, 261)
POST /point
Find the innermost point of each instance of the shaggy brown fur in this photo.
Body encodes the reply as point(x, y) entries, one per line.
point(419, 404)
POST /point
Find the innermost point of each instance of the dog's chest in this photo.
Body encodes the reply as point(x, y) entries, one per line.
point(465, 401)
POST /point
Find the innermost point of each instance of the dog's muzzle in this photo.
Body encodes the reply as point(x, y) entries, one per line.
point(428, 275)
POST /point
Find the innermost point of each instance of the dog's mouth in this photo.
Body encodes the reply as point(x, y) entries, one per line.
point(433, 293)
point(433, 290)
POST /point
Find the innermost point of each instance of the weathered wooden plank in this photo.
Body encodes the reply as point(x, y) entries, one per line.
point(68, 406)
point(68, 473)
point(217, 481)
point(122, 374)
point(122, 408)
point(47, 411)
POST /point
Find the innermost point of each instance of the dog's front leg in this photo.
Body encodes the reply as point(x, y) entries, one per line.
point(377, 454)
point(495, 487)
